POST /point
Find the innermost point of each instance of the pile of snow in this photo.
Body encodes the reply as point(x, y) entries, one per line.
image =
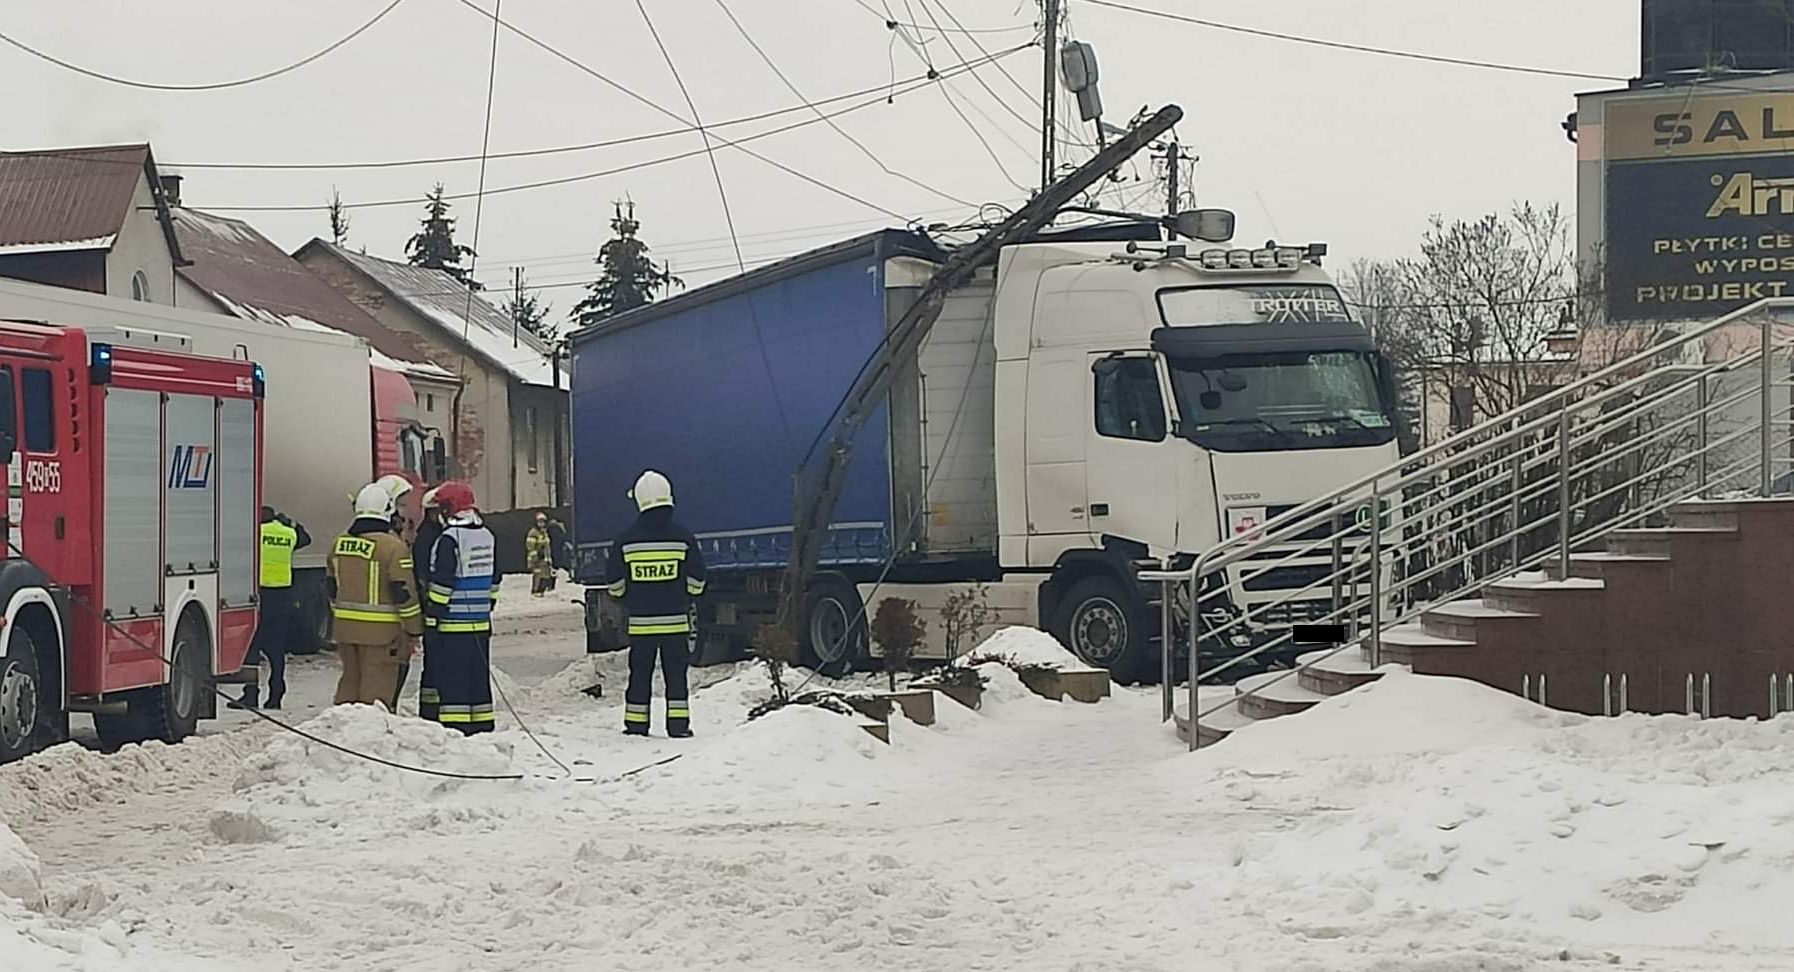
point(799, 752)
point(65, 779)
point(1429, 807)
point(21, 875)
point(1028, 646)
point(295, 785)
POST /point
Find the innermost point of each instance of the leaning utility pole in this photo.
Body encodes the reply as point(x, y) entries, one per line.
point(818, 481)
point(1049, 94)
point(1171, 161)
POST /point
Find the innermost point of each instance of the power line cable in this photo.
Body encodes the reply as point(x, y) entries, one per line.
point(947, 94)
point(631, 167)
point(895, 24)
point(209, 86)
point(1357, 48)
point(698, 121)
point(1071, 134)
point(588, 69)
point(770, 63)
point(552, 150)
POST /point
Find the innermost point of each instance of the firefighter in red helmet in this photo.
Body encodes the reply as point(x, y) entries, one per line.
point(462, 588)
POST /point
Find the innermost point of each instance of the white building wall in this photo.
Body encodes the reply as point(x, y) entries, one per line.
point(142, 245)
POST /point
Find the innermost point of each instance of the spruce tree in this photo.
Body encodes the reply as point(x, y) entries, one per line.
point(628, 277)
point(339, 218)
point(434, 244)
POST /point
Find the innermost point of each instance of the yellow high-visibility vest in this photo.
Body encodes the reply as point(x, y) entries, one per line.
point(278, 541)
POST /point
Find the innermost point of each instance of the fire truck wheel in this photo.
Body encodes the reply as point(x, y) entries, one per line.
point(24, 721)
point(171, 712)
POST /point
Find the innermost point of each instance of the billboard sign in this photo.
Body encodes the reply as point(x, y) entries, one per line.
point(1699, 204)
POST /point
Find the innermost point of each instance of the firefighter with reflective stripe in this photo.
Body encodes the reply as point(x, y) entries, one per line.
point(281, 537)
point(656, 570)
point(463, 586)
point(398, 487)
point(376, 615)
point(428, 699)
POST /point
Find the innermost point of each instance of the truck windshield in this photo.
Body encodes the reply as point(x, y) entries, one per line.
point(1282, 400)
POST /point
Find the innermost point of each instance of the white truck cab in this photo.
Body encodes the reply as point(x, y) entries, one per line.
point(1150, 402)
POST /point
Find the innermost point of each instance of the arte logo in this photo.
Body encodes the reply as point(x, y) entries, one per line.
point(1745, 195)
point(190, 467)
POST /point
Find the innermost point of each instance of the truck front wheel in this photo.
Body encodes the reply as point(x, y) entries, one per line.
point(1098, 623)
point(24, 721)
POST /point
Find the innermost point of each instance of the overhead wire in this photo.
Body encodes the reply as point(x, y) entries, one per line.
point(587, 176)
point(728, 217)
point(856, 143)
point(1347, 46)
point(552, 150)
point(894, 24)
point(593, 72)
point(204, 86)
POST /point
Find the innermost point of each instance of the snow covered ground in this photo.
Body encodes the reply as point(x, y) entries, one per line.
point(1417, 824)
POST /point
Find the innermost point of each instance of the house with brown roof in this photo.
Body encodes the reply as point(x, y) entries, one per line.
point(94, 219)
point(509, 417)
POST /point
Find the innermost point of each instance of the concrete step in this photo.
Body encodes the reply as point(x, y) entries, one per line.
point(1459, 620)
point(1335, 674)
point(1218, 724)
point(1705, 515)
point(1594, 565)
point(1658, 541)
point(1268, 695)
point(1530, 597)
point(1403, 643)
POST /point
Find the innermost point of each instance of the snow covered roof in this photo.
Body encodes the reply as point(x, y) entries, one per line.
point(441, 299)
point(256, 280)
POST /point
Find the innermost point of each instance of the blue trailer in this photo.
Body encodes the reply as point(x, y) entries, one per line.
point(726, 389)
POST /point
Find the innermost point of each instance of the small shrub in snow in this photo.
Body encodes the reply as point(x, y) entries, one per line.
point(964, 618)
point(830, 701)
point(777, 648)
point(898, 632)
point(952, 676)
point(1026, 669)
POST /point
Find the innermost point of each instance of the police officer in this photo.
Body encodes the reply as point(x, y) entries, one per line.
point(373, 602)
point(463, 576)
point(428, 529)
point(656, 570)
point(281, 537)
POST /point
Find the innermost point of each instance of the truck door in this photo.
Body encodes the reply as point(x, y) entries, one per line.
point(1131, 467)
point(42, 438)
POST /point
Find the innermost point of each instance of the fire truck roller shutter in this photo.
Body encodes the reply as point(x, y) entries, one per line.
point(131, 515)
point(239, 528)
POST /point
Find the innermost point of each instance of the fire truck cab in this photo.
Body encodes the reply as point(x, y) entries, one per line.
point(128, 582)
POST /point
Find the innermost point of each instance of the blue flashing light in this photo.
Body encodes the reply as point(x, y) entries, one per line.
point(100, 366)
point(261, 382)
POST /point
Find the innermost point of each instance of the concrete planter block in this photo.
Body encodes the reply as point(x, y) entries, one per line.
point(880, 731)
point(970, 696)
point(917, 705)
point(1082, 685)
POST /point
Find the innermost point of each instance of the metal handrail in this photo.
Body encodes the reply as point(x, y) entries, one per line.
point(1439, 519)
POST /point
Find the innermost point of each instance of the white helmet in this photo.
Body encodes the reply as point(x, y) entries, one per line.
point(651, 490)
point(429, 501)
point(394, 484)
point(374, 502)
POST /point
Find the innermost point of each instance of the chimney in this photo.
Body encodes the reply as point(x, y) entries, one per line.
point(171, 190)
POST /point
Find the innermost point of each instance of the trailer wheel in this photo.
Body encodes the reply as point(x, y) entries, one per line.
point(24, 718)
point(1098, 623)
point(171, 712)
point(834, 640)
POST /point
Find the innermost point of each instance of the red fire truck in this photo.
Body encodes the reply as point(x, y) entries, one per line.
point(132, 534)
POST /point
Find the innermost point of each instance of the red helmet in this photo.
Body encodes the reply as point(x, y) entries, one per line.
point(454, 497)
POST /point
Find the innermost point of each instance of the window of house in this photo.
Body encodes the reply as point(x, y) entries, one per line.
point(40, 412)
point(429, 403)
point(530, 429)
point(1129, 404)
point(140, 289)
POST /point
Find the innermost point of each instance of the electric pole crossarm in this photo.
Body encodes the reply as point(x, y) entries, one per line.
point(814, 505)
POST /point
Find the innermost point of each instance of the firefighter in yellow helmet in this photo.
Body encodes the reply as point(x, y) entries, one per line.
point(374, 607)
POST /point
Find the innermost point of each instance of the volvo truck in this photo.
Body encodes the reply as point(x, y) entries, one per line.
point(1081, 411)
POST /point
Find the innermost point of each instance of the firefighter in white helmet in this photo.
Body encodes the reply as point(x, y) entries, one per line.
point(376, 615)
point(656, 570)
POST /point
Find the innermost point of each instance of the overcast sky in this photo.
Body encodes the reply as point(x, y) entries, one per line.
point(1304, 143)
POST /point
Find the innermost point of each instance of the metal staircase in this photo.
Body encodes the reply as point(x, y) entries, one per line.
point(1705, 413)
